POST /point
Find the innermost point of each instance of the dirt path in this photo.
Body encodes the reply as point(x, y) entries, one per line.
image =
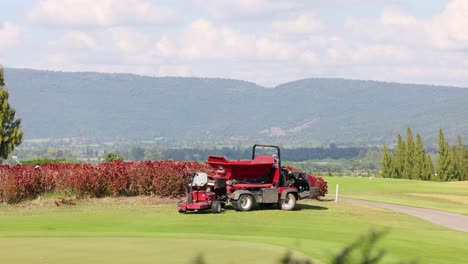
point(447, 219)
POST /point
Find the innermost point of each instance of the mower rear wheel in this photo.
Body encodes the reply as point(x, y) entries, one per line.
point(289, 203)
point(245, 202)
point(216, 207)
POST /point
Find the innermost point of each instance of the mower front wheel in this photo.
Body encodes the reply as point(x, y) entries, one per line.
point(245, 202)
point(216, 207)
point(181, 210)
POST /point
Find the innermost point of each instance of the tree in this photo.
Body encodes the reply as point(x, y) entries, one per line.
point(445, 164)
point(112, 157)
point(400, 154)
point(409, 156)
point(462, 159)
point(11, 134)
point(387, 164)
point(419, 159)
point(428, 172)
point(456, 165)
point(137, 153)
point(148, 155)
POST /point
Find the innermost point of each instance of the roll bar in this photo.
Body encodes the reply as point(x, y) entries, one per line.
point(268, 146)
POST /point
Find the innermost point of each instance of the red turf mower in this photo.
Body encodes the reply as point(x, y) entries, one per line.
point(244, 183)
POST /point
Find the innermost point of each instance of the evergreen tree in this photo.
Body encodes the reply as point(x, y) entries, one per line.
point(409, 156)
point(428, 172)
point(387, 164)
point(462, 152)
point(455, 169)
point(11, 133)
point(444, 159)
point(419, 159)
point(400, 154)
point(464, 167)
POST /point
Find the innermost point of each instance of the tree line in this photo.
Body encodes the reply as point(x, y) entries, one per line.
point(289, 154)
point(410, 160)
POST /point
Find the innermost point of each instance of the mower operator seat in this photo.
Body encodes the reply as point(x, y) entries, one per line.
point(200, 179)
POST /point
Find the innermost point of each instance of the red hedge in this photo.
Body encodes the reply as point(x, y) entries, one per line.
point(322, 187)
point(164, 178)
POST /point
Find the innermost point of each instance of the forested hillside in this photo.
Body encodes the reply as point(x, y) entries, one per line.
point(193, 110)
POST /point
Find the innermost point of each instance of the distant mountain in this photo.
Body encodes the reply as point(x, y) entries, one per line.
point(305, 112)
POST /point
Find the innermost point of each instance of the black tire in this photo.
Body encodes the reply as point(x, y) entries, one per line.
point(245, 202)
point(181, 211)
point(234, 205)
point(216, 207)
point(289, 202)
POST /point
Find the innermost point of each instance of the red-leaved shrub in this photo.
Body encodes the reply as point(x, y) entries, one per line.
point(117, 178)
point(322, 187)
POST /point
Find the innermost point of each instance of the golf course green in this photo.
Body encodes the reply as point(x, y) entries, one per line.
point(146, 230)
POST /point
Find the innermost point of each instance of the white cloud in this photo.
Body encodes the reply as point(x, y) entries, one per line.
point(391, 27)
point(392, 16)
point(309, 57)
point(164, 47)
point(238, 9)
point(380, 53)
point(449, 30)
point(303, 24)
point(75, 40)
point(98, 12)
point(175, 70)
point(202, 40)
point(445, 31)
point(9, 35)
point(91, 49)
point(281, 41)
point(57, 59)
point(129, 40)
point(269, 49)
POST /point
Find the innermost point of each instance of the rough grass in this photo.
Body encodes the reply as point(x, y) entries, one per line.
point(144, 230)
point(445, 196)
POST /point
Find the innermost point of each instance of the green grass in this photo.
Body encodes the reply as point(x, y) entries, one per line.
point(445, 196)
point(111, 231)
point(133, 250)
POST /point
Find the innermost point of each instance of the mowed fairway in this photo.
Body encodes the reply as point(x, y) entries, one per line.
point(445, 196)
point(135, 230)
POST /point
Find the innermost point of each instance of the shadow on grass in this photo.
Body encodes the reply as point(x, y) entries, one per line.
point(326, 199)
point(204, 212)
point(300, 207)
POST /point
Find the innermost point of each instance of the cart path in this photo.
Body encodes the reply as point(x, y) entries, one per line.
point(446, 219)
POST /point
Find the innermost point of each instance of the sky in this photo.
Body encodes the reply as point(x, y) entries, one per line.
point(268, 42)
